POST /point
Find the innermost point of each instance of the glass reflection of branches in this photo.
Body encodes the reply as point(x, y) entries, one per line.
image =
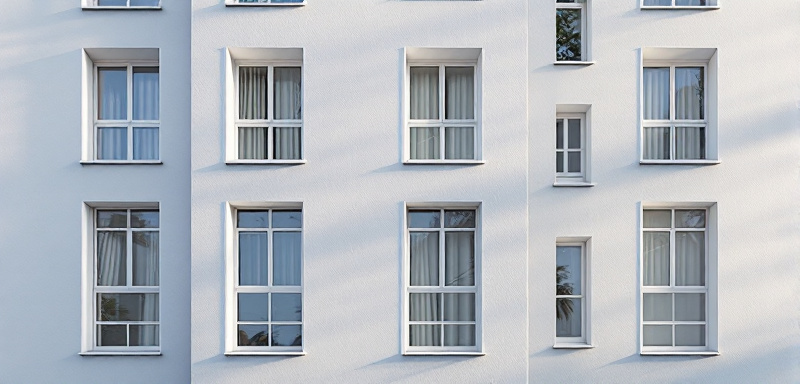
point(563, 305)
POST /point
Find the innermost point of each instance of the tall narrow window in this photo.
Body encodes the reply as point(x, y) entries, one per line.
point(267, 293)
point(126, 280)
point(127, 113)
point(443, 285)
point(572, 32)
point(570, 148)
point(572, 301)
point(675, 281)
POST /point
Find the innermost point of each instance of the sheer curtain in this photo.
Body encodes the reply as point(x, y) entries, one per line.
point(459, 105)
point(689, 93)
point(656, 259)
point(459, 271)
point(425, 272)
point(253, 258)
point(286, 258)
point(253, 106)
point(656, 107)
point(112, 143)
point(424, 105)
point(112, 265)
point(287, 106)
point(112, 104)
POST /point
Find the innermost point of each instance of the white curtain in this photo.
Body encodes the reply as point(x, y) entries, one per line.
point(287, 143)
point(656, 143)
point(459, 259)
point(286, 258)
point(459, 105)
point(288, 102)
point(112, 143)
point(112, 100)
point(690, 143)
point(688, 93)
point(424, 143)
point(253, 93)
point(425, 307)
point(145, 143)
point(459, 143)
point(656, 93)
point(690, 259)
point(424, 259)
point(424, 93)
point(145, 93)
point(425, 272)
point(253, 258)
point(253, 143)
point(656, 258)
point(111, 261)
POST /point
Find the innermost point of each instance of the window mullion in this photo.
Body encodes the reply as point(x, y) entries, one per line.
point(442, 113)
point(270, 111)
point(129, 251)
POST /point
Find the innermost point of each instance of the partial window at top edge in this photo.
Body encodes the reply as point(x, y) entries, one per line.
point(265, 2)
point(124, 3)
point(679, 3)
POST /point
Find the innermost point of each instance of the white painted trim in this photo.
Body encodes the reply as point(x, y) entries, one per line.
point(572, 346)
point(576, 63)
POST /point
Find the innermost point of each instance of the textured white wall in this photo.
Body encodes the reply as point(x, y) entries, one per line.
point(43, 188)
point(755, 187)
point(354, 185)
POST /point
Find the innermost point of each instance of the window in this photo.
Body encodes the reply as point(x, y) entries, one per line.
point(117, 4)
point(264, 2)
point(123, 113)
point(678, 280)
point(266, 118)
point(572, 31)
point(679, 106)
point(572, 293)
point(266, 295)
point(123, 303)
point(443, 280)
point(443, 110)
point(662, 4)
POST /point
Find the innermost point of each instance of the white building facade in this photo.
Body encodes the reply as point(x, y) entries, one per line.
point(293, 191)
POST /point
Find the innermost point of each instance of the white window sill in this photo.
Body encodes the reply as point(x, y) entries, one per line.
point(265, 162)
point(662, 7)
point(122, 162)
point(264, 353)
point(584, 63)
point(679, 162)
point(265, 4)
point(123, 8)
point(573, 184)
point(572, 346)
point(444, 162)
point(120, 353)
point(665, 353)
point(443, 353)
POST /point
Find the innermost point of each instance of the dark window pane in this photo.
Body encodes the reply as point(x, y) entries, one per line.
point(253, 335)
point(287, 335)
point(568, 35)
point(112, 336)
point(424, 219)
point(459, 219)
point(253, 219)
point(287, 219)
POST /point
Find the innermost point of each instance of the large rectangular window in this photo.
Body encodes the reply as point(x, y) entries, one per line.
point(266, 296)
point(443, 283)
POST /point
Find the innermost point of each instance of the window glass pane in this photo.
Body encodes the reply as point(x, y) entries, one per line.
point(253, 143)
point(145, 258)
point(559, 161)
point(424, 143)
point(568, 270)
point(144, 219)
point(690, 306)
point(112, 336)
point(657, 306)
point(695, 2)
point(568, 34)
point(690, 260)
point(459, 143)
point(145, 93)
point(459, 219)
point(657, 2)
point(689, 93)
point(144, 335)
point(287, 307)
point(424, 93)
point(459, 307)
point(656, 258)
point(127, 307)
point(112, 98)
point(459, 335)
point(459, 93)
point(287, 219)
point(574, 127)
point(286, 143)
point(459, 263)
point(145, 143)
point(112, 143)
point(695, 218)
point(424, 219)
point(424, 251)
point(286, 258)
point(656, 143)
point(559, 133)
point(574, 162)
point(424, 307)
point(425, 335)
point(112, 219)
point(653, 218)
point(144, 3)
point(656, 93)
point(253, 93)
point(287, 335)
point(288, 98)
point(690, 143)
point(253, 306)
point(253, 258)
point(111, 258)
point(568, 317)
point(657, 335)
point(252, 219)
point(256, 335)
point(690, 335)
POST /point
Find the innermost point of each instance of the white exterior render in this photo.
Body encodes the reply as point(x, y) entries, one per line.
point(376, 193)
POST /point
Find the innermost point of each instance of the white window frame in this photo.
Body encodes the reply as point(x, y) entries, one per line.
point(232, 288)
point(585, 340)
point(442, 58)
point(92, 4)
point(583, 178)
point(260, 57)
point(264, 3)
point(713, 4)
point(89, 279)
point(407, 349)
point(585, 7)
point(672, 58)
point(710, 288)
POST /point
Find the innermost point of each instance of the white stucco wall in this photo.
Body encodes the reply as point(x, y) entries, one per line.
point(44, 187)
point(755, 187)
